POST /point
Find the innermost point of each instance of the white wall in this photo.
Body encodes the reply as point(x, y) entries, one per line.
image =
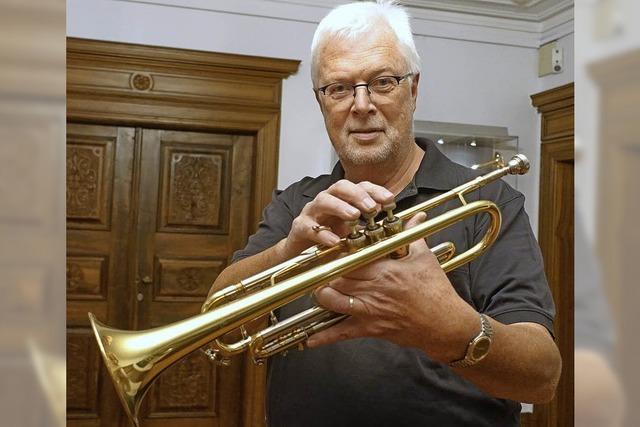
point(487, 84)
point(463, 81)
point(567, 75)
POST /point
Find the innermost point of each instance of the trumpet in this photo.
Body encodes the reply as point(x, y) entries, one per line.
point(134, 359)
point(496, 162)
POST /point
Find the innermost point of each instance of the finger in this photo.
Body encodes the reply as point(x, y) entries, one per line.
point(377, 192)
point(419, 245)
point(417, 219)
point(331, 299)
point(360, 280)
point(366, 197)
point(327, 205)
point(347, 329)
point(302, 229)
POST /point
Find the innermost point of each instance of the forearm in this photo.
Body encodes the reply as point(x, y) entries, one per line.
point(523, 365)
point(249, 266)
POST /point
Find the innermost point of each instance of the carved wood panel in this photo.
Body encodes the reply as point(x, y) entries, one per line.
point(86, 277)
point(195, 188)
point(82, 374)
point(187, 388)
point(186, 279)
point(89, 180)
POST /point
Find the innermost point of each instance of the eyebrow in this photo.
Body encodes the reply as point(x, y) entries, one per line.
point(386, 71)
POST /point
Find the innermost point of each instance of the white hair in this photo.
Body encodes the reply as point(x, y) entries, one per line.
point(352, 20)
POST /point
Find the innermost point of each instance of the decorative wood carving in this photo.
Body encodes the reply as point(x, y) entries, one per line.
point(187, 388)
point(86, 277)
point(89, 178)
point(185, 279)
point(141, 81)
point(82, 375)
point(195, 189)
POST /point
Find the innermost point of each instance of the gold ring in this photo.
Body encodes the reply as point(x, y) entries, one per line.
point(318, 228)
point(351, 299)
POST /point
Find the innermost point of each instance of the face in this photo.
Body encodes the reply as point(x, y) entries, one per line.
point(367, 129)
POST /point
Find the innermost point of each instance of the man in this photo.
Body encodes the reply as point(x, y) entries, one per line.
point(409, 354)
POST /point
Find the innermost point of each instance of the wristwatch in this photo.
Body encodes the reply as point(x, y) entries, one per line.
point(478, 348)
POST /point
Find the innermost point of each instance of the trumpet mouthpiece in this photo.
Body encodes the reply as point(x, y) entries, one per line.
point(518, 165)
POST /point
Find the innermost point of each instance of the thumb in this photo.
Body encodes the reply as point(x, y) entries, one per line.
point(418, 218)
point(418, 245)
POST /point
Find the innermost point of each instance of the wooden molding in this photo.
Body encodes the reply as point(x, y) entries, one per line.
point(556, 107)
point(188, 60)
point(553, 99)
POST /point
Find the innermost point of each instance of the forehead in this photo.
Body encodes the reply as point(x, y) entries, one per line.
point(361, 57)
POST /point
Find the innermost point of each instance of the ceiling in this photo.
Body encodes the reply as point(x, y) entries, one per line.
point(526, 10)
point(531, 10)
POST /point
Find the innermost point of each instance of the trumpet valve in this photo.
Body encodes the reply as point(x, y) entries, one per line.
point(391, 224)
point(372, 230)
point(355, 240)
point(389, 208)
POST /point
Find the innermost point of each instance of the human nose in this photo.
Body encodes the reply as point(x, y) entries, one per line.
point(362, 99)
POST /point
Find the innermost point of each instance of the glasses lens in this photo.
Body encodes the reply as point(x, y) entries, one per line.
point(338, 90)
point(384, 84)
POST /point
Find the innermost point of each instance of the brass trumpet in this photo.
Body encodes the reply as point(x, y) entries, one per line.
point(134, 359)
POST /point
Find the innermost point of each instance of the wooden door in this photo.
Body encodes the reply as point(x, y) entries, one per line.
point(99, 179)
point(171, 206)
point(556, 240)
point(194, 200)
point(153, 217)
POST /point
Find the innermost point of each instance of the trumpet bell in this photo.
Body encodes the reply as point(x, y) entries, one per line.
point(129, 383)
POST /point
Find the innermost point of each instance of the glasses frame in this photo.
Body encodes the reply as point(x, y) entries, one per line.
point(365, 85)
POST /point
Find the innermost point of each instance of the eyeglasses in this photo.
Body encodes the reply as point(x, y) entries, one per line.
point(382, 85)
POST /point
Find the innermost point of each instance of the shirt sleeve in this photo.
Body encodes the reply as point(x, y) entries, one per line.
point(274, 226)
point(508, 281)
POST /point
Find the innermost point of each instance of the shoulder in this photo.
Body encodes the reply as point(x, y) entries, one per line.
point(447, 174)
point(308, 186)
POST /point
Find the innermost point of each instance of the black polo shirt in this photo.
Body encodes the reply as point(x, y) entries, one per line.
point(371, 382)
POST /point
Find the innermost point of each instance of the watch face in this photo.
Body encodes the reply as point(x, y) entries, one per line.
point(481, 348)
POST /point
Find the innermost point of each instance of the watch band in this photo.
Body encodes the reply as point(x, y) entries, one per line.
point(485, 331)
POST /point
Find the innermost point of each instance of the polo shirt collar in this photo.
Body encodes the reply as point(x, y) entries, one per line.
point(436, 171)
point(433, 173)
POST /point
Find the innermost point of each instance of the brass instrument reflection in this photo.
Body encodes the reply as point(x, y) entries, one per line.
point(496, 163)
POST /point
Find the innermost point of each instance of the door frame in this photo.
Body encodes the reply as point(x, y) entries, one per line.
point(133, 85)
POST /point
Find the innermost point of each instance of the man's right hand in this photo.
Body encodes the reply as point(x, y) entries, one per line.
point(332, 208)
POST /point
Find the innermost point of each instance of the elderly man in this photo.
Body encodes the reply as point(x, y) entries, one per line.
point(420, 347)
